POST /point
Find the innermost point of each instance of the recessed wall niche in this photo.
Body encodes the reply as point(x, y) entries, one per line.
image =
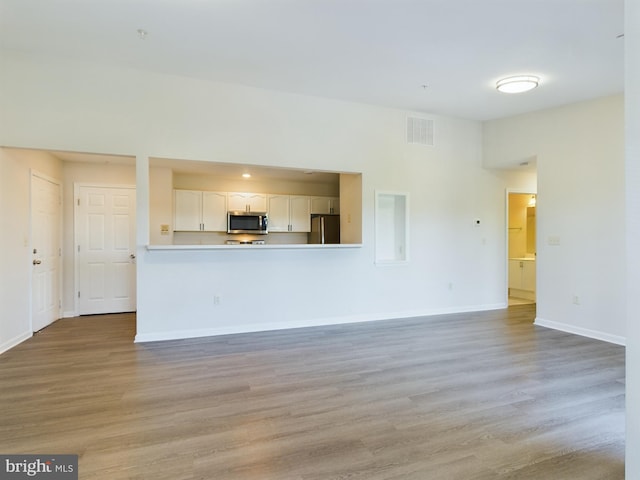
point(391, 227)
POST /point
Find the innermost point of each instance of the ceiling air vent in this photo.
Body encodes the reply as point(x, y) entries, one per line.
point(420, 131)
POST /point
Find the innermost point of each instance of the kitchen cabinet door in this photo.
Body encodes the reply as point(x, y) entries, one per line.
point(325, 205)
point(334, 205)
point(196, 211)
point(515, 274)
point(214, 211)
point(278, 211)
point(187, 210)
point(237, 201)
point(300, 213)
point(247, 202)
point(257, 202)
point(529, 276)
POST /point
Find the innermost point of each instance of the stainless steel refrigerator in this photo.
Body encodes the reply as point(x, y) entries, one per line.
point(325, 228)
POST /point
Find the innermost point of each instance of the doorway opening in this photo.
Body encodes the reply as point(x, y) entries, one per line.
point(521, 248)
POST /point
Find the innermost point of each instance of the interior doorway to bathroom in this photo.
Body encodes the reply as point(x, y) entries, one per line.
point(521, 253)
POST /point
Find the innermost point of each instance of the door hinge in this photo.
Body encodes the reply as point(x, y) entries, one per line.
point(78, 248)
point(78, 293)
point(78, 200)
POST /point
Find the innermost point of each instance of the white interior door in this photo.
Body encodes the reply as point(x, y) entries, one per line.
point(105, 235)
point(46, 216)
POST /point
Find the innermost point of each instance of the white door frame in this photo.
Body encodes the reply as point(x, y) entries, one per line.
point(57, 182)
point(76, 198)
point(525, 191)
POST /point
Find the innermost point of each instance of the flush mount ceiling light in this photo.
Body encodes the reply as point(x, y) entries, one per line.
point(517, 84)
point(246, 175)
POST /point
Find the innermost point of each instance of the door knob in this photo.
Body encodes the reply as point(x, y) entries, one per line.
point(132, 256)
point(37, 262)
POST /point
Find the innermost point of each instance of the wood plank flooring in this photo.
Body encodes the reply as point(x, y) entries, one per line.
point(474, 396)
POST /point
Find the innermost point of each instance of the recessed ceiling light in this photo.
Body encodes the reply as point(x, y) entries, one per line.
point(246, 175)
point(517, 84)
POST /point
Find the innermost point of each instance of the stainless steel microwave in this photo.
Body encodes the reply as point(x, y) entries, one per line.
point(256, 223)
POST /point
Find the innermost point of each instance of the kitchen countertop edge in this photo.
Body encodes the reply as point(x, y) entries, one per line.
point(253, 247)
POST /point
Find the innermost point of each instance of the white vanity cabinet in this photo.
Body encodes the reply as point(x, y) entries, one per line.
point(325, 205)
point(196, 211)
point(522, 278)
point(247, 202)
point(289, 213)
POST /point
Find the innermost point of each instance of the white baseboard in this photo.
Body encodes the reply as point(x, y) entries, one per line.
point(69, 314)
point(585, 332)
point(15, 341)
point(316, 322)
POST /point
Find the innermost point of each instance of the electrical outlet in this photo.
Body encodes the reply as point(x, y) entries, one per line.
point(576, 300)
point(216, 299)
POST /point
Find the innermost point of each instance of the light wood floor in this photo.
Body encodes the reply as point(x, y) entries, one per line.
point(469, 396)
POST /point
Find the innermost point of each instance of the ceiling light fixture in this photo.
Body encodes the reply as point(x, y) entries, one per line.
point(142, 34)
point(246, 175)
point(517, 84)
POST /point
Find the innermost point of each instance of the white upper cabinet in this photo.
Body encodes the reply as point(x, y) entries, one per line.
point(247, 202)
point(214, 211)
point(196, 211)
point(299, 213)
point(325, 205)
point(187, 210)
point(289, 213)
point(278, 210)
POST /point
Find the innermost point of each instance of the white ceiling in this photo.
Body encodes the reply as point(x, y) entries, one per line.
point(372, 51)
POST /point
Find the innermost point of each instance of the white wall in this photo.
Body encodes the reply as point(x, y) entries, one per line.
point(190, 181)
point(632, 124)
point(580, 165)
point(120, 111)
point(160, 205)
point(15, 238)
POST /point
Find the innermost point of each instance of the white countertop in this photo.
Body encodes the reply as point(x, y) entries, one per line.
point(254, 247)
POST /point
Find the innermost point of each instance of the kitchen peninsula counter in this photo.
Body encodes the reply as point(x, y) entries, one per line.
point(292, 246)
